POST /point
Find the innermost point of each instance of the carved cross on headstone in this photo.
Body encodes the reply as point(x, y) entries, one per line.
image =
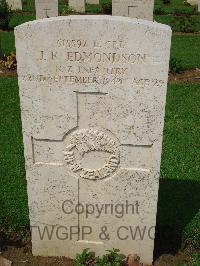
point(142, 9)
point(88, 138)
point(47, 9)
point(129, 10)
point(84, 139)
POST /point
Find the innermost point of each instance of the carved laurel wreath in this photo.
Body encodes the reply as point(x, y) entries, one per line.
point(88, 140)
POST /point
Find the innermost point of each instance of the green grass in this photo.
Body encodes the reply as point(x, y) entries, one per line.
point(20, 18)
point(28, 5)
point(7, 41)
point(94, 9)
point(182, 133)
point(180, 24)
point(175, 6)
point(13, 195)
point(179, 195)
point(186, 49)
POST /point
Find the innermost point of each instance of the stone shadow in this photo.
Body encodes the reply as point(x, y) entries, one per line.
point(178, 203)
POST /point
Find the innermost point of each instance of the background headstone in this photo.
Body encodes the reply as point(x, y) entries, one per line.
point(77, 5)
point(46, 8)
point(142, 9)
point(92, 2)
point(192, 2)
point(15, 4)
point(92, 93)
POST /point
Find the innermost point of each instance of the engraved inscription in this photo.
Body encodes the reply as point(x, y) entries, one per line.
point(71, 79)
point(145, 82)
point(66, 43)
point(95, 57)
point(89, 140)
point(97, 79)
point(79, 61)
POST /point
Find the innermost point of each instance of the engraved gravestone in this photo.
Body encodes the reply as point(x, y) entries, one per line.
point(92, 92)
point(77, 5)
point(142, 9)
point(46, 8)
point(15, 4)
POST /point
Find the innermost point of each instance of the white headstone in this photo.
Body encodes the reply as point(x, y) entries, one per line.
point(142, 9)
point(77, 5)
point(46, 8)
point(93, 91)
point(15, 4)
point(92, 2)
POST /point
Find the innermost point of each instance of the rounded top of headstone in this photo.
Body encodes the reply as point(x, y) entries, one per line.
point(94, 18)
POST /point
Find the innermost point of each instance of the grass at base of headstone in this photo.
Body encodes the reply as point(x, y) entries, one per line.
point(13, 191)
point(186, 24)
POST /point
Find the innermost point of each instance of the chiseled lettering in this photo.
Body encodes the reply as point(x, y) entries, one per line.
point(69, 157)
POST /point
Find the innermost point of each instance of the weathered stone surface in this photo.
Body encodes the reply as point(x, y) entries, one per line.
point(92, 2)
point(15, 4)
point(46, 8)
point(92, 92)
point(5, 262)
point(77, 5)
point(142, 9)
